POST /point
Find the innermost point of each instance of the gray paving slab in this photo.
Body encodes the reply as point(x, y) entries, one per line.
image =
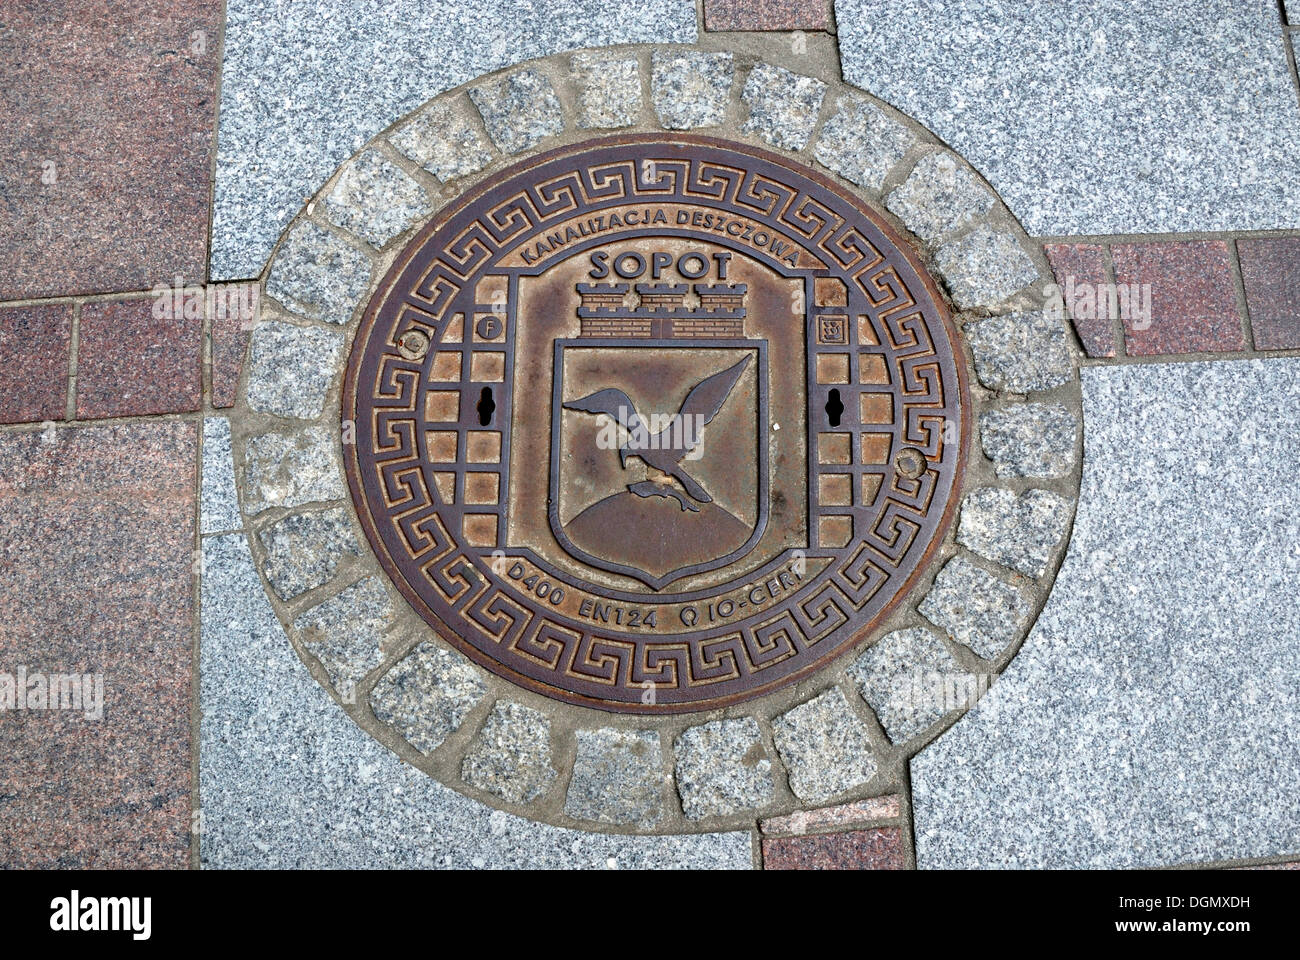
point(1153, 716)
point(219, 504)
point(287, 780)
point(304, 85)
point(1099, 116)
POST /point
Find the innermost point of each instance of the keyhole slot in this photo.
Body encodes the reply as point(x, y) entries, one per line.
point(834, 407)
point(486, 407)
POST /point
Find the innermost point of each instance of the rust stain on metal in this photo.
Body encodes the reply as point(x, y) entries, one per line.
point(655, 424)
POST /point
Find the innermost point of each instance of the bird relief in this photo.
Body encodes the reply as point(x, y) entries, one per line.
point(669, 481)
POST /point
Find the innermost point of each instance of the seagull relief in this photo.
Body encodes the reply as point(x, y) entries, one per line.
point(664, 447)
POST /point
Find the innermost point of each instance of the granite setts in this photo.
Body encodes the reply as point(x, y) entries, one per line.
point(783, 106)
point(443, 141)
point(826, 748)
point(617, 778)
point(317, 275)
point(612, 777)
point(862, 143)
point(909, 678)
point(512, 756)
point(290, 369)
point(691, 90)
point(723, 769)
point(375, 199)
point(520, 110)
point(610, 91)
point(977, 608)
point(427, 695)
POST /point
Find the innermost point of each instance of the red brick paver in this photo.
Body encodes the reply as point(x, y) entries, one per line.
point(1193, 297)
point(879, 849)
point(860, 811)
point(767, 14)
point(106, 137)
point(130, 362)
point(1080, 270)
point(96, 541)
point(34, 345)
point(1270, 269)
point(230, 333)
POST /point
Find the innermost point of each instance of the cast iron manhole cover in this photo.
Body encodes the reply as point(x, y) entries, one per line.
point(655, 423)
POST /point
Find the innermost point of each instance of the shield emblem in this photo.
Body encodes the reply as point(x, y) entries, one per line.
point(659, 466)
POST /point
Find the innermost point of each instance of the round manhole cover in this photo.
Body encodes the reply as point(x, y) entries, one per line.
point(655, 423)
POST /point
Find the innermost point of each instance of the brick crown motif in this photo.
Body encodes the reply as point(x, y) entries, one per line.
point(661, 310)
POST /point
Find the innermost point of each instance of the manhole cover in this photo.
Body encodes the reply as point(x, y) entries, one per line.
point(654, 424)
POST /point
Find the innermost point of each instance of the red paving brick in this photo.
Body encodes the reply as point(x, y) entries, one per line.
point(230, 335)
point(34, 343)
point(1193, 297)
point(879, 849)
point(1270, 269)
point(1080, 270)
point(860, 811)
point(96, 538)
point(106, 143)
point(131, 363)
point(767, 14)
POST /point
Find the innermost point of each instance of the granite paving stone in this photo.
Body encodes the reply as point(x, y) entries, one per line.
point(304, 550)
point(1193, 298)
point(1080, 270)
point(975, 607)
point(783, 106)
point(218, 501)
point(691, 89)
point(34, 344)
point(337, 77)
point(878, 849)
point(131, 362)
point(940, 195)
point(520, 110)
point(1150, 716)
point(1020, 353)
point(1270, 270)
point(723, 769)
point(609, 90)
point(107, 144)
point(346, 633)
point(823, 818)
point(1034, 440)
point(442, 139)
point(906, 677)
point(767, 14)
point(512, 756)
point(96, 555)
point(825, 747)
point(427, 695)
point(861, 142)
point(318, 275)
point(984, 267)
point(617, 778)
point(289, 781)
point(290, 369)
point(375, 199)
point(290, 470)
point(1144, 133)
point(1019, 531)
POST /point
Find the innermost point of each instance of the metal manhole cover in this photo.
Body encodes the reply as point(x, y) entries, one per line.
point(655, 423)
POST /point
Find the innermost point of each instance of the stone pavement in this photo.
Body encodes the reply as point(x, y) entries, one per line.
point(161, 529)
